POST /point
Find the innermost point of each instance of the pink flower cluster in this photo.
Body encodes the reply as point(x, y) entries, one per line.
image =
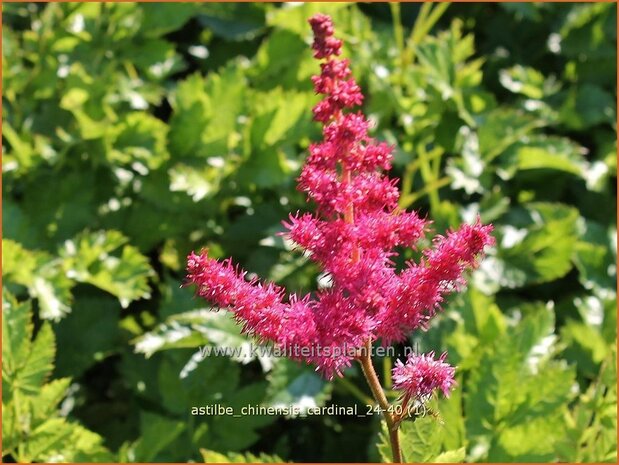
point(422, 374)
point(352, 236)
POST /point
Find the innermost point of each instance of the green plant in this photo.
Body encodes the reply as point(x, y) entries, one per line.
point(138, 132)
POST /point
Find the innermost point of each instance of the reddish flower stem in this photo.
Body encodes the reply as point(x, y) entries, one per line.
point(377, 391)
point(365, 357)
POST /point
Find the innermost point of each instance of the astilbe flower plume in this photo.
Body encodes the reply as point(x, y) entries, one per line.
point(422, 374)
point(352, 236)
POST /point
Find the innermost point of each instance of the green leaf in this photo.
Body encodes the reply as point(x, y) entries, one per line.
point(210, 456)
point(527, 81)
point(467, 171)
point(26, 364)
point(283, 124)
point(198, 328)
point(161, 18)
point(201, 180)
point(537, 246)
point(234, 21)
point(16, 335)
point(584, 345)
point(444, 57)
point(586, 106)
point(157, 59)
point(29, 406)
point(87, 335)
point(45, 201)
point(57, 440)
point(292, 384)
point(104, 260)
point(501, 127)
point(421, 440)
point(39, 364)
point(593, 420)
point(192, 111)
point(208, 114)
point(544, 152)
point(481, 317)
point(518, 390)
point(267, 168)
point(493, 205)
point(234, 433)
point(26, 151)
point(41, 274)
point(293, 17)
point(45, 403)
point(182, 380)
point(595, 257)
point(157, 433)
point(283, 56)
point(451, 456)
point(447, 66)
point(138, 139)
point(188, 329)
point(452, 417)
point(534, 441)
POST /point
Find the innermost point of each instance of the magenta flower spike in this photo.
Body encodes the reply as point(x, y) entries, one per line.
point(421, 375)
point(352, 236)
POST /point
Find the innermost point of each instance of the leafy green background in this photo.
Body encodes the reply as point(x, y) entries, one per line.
point(134, 133)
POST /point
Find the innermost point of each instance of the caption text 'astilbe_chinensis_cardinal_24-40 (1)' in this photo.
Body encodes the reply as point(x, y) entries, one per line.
point(352, 236)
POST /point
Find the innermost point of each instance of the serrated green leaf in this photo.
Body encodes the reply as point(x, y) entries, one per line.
point(517, 391)
point(540, 250)
point(421, 440)
point(39, 364)
point(41, 274)
point(205, 122)
point(16, 334)
point(138, 139)
point(26, 364)
point(210, 456)
point(104, 259)
point(46, 402)
point(57, 440)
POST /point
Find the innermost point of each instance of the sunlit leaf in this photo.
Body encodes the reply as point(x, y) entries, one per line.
point(104, 259)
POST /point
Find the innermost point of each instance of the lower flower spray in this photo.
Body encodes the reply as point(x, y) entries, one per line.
point(352, 236)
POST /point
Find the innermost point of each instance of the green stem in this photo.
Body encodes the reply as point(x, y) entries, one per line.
point(407, 194)
point(423, 25)
point(398, 31)
point(387, 372)
point(429, 189)
point(355, 391)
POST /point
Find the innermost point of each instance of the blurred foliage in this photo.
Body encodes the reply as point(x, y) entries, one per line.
point(134, 133)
